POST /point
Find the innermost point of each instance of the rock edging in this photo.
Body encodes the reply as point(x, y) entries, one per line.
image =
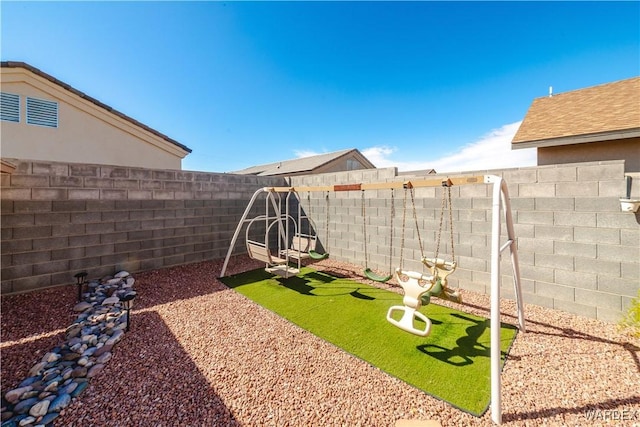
point(64, 372)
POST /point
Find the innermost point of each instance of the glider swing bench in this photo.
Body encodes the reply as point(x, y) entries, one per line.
point(276, 248)
point(277, 237)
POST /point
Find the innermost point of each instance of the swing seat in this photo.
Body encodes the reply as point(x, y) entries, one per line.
point(259, 252)
point(282, 270)
point(407, 321)
point(440, 264)
point(441, 269)
point(275, 265)
point(300, 246)
point(303, 247)
point(414, 283)
point(452, 295)
point(435, 291)
point(370, 274)
point(317, 255)
point(411, 282)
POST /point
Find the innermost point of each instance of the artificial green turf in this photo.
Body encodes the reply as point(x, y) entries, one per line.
point(452, 363)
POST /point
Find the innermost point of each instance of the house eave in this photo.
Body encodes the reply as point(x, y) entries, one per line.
point(578, 139)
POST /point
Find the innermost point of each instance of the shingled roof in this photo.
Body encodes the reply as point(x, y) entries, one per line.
point(34, 70)
point(600, 113)
point(303, 164)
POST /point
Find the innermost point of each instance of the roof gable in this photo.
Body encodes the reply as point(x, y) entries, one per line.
point(605, 112)
point(36, 71)
point(303, 164)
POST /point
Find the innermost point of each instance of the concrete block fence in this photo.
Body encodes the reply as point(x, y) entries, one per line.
point(578, 252)
point(59, 219)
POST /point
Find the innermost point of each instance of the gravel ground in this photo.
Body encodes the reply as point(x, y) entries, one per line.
point(199, 354)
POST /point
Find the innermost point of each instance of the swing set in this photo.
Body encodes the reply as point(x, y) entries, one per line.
point(283, 245)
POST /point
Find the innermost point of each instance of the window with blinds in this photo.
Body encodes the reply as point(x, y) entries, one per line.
point(42, 112)
point(9, 107)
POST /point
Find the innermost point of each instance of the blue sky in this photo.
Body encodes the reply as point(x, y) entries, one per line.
point(416, 85)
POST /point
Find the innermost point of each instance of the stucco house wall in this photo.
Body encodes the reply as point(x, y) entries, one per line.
point(628, 149)
point(86, 132)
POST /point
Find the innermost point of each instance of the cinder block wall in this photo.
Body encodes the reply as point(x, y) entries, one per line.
point(59, 219)
point(578, 252)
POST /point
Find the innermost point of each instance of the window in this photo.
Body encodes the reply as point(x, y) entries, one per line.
point(9, 107)
point(42, 112)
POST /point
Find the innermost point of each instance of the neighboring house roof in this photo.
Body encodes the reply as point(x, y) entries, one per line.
point(419, 172)
point(17, 64)
point(600, 113)
point(303, 164)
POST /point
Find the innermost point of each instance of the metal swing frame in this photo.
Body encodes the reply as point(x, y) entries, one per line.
point(500, 204)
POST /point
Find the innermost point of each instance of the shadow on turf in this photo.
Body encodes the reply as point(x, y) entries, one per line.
point(325, 278)
point(302, 286)
point(297, 284)
point(467, 347)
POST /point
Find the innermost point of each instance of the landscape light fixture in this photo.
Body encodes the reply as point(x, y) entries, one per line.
point(80, 280)
point(127, 304)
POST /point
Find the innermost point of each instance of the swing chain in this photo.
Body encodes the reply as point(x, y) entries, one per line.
point(327, 222)
point(404, 215)
point(368, 272)
point(415, 218)
point(408, 186)
point(443, 206)
point(364, 231)
point(440, 226)
point(308, 214)
point(453, 254)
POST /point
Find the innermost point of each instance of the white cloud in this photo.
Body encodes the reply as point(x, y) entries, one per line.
point(305, 153)
point(491, 151)
point(379, 156)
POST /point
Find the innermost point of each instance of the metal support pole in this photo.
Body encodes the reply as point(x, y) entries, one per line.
point(238, 228)
point(496, 395)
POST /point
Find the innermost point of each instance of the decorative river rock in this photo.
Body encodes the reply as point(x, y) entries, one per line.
point(64, 372)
